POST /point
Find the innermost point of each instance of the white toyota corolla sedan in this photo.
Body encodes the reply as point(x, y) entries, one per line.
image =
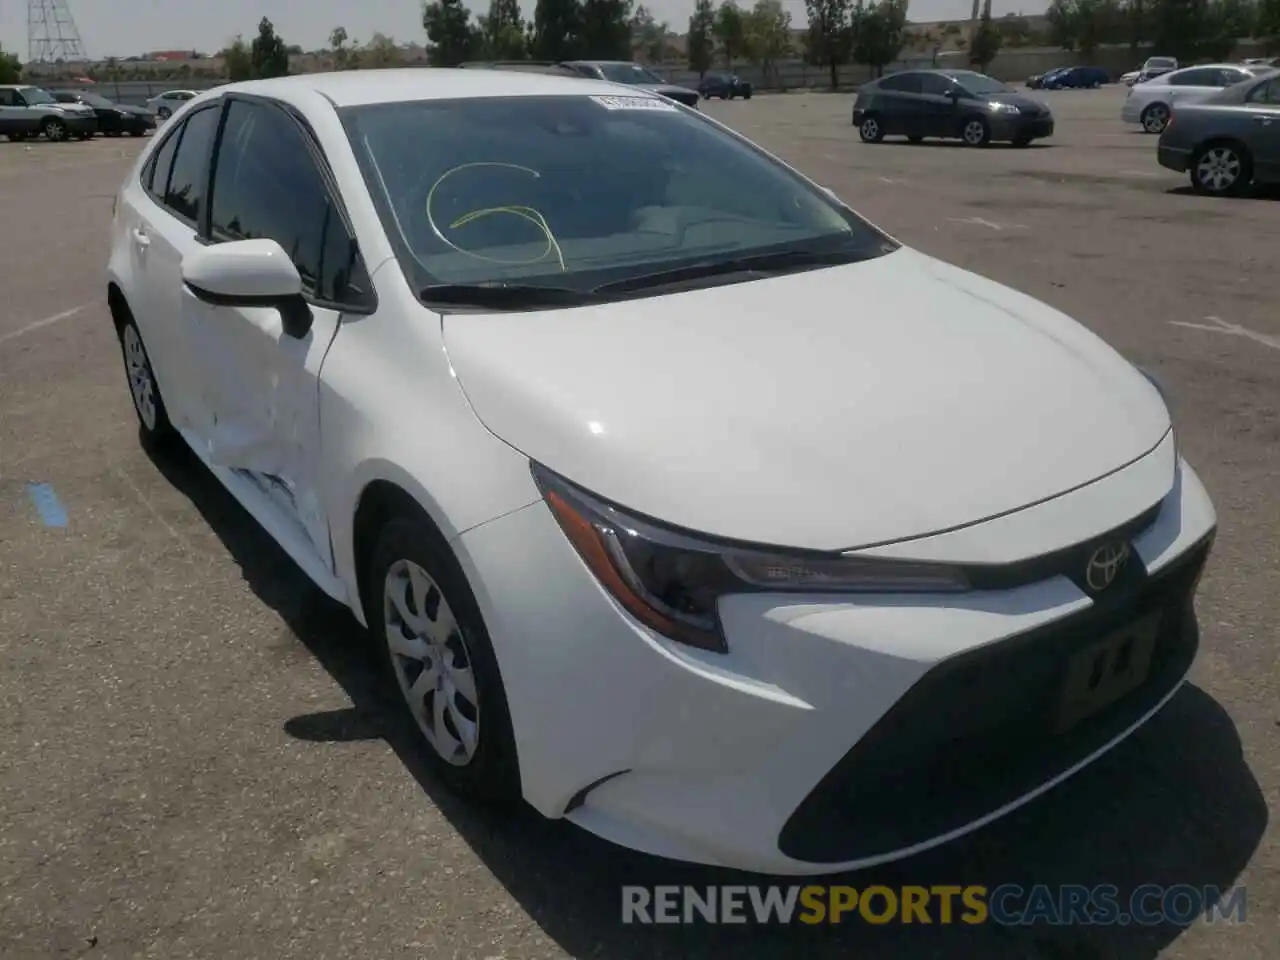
point(683, 502)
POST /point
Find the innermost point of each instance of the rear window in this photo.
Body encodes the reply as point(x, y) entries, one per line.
point(575, 190)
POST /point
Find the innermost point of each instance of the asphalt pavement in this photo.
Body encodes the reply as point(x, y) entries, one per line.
point(194, 760)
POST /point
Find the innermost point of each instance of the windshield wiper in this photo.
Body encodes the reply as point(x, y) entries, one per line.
point(762, 264)
point(500, 295)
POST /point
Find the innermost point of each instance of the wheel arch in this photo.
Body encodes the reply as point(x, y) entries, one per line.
point(118, 304)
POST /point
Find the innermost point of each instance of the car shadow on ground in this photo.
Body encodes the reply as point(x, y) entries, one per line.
point(1176, 804)
point(961, 145)
point(1268, 191)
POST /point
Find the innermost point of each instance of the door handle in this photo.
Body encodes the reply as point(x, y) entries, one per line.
point(141, 239)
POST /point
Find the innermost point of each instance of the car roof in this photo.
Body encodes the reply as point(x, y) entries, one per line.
point(352, 88)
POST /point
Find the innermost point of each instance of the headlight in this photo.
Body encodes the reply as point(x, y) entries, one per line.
point(999, 107)
point(671, 581)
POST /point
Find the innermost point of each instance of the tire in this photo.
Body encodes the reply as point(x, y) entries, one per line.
point(112, 133)
point(1022, 142)
point(135, 133)
point(410, 561)
point(84, 136)
point(1155, 118)
point(54, 129)
point(17, 137)
point(747, 95)
point(164, 113)
point(975, 132)
point(148, 405)
point(870, 129)
point(915, 138)
point(1222, 169)
point(725, 96)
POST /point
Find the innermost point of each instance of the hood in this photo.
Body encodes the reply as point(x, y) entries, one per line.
point(829, 409)
point(74, 108)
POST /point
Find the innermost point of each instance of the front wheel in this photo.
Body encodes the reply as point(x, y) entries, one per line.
point(17, 137)
point(976, 132)
point(1221, 169)
point(1021, 142)
point(436, 650)
point(870, 130)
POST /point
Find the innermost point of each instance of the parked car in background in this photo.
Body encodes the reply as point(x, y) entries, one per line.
point(1037, 80)
point(1151, 104)
point(114, 119)
point(27, 111)
point(950, 104)
point(1077, 78)
point(1229, 140)
point(726, 86)
point(170, 102)
point(1156, 67)
point(624, 71)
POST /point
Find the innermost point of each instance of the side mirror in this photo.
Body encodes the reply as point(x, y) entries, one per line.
point(249, 273)
point(953, 96)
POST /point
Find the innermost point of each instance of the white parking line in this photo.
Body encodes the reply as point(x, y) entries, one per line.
point(1217, 325)
point(979, 222)
point(46, 322)
point(41, 169)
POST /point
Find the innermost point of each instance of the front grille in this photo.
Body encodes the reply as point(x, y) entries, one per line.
point(978, 731)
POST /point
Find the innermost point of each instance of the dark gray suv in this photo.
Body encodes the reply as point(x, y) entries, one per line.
point(949, 104)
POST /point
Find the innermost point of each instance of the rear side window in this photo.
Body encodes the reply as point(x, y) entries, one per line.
point(935, 84)
point(156, 180)
point(189, 177)
point(902, 83)
point(1208, 77)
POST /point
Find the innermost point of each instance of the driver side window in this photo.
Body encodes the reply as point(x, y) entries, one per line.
point(267, 185)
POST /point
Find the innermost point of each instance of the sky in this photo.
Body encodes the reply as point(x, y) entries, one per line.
point(118, 28)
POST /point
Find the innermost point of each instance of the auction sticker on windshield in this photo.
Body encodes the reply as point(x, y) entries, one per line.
point(634, 103)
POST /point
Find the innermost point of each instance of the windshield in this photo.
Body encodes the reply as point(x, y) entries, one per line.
point(34, 95)
point(1157, 63)
point(93, 100)
point(628, 73)
point(978, 83)
point(576, 191)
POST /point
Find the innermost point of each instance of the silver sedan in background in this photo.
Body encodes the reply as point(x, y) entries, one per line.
point(1229, 140)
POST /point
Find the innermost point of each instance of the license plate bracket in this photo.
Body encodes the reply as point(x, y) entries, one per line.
point(1107, 670)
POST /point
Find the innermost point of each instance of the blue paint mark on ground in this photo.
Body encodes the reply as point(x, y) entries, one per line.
point(47, 504)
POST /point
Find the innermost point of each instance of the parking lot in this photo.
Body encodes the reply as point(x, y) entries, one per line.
point(193, 757)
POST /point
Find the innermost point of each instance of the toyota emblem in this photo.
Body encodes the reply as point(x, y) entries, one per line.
point(1105, 565)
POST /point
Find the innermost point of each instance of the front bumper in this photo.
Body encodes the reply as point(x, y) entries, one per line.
point(837, 732)
point(1021, 127)
point(1173, 158)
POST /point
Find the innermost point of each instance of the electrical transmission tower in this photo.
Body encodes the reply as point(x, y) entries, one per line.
point(52, 33)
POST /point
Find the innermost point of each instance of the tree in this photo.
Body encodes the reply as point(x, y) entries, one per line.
point(701, 42)
point(648, 36)
point(830, 39)
point(10, 67)
point(606, 29)
point(268, 56)
point(504, 31)
point(986, 41)
point(557, 30)
point(768, 36)
point(1266, 25)
point(236, 61)
point(451, 35)
point(1084, 25)
point(878, 34)
point(729, 31)
point(381, 51)
point(341, 52)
